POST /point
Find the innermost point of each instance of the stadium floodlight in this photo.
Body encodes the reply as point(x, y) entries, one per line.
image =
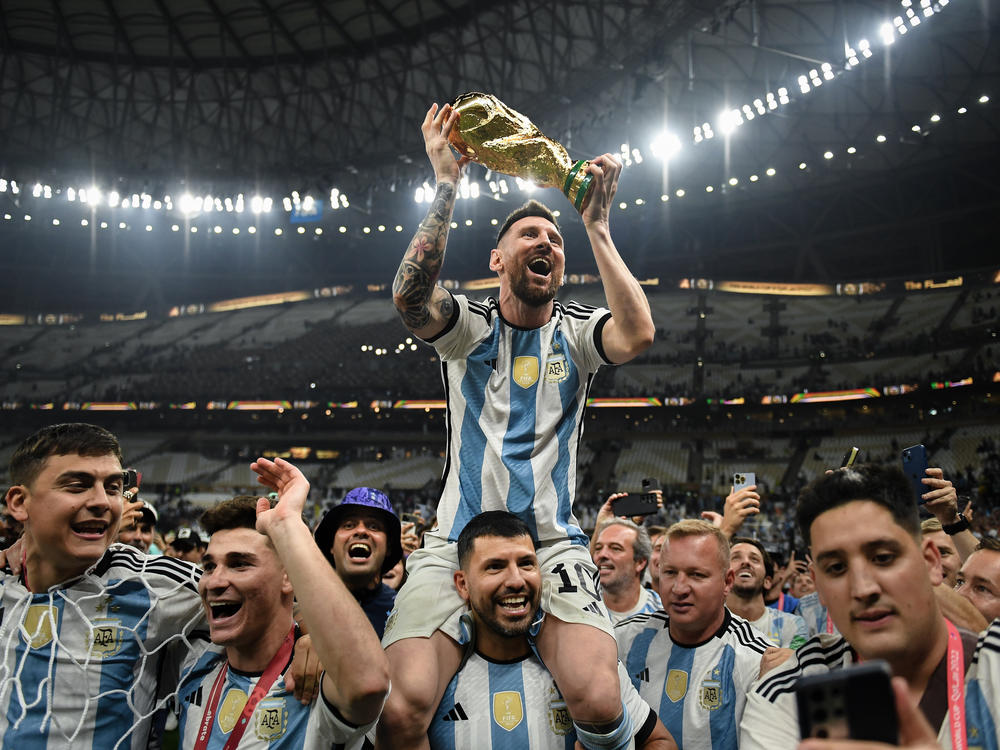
point(3, 185)
point(418, 195)
point(104, 225)
point(174, 228)
point(342, 230)
point(399, 228)
point(709, 189)
point(236, 230)
point(14, 187)
point(301, 230)
point(962, 110)
point(55, 222)
point(277, 232)
point(36, 191)
point(287, 203)
point(149, 227)
point(771, 171)
point(935, 118)
point(733, 182)
point(729, 120)
point(851, 150)
point(680, 192)
point(135, 201)
point(268, 203)
point(157, 205)
point(308, 204)
point(915, 128)
point(252, 229)
point(828, 155)
point(664, 198)
point(187, 203)
point(256, 204)
point(122, 225)
point(802, 165)
point(84, 223)
point(368, 230)
point(126, 203)
point(319, 231)
point(665, 145)
point(983, 99)
point(887, 33)
point(194, 230)
point(70, 194)
point(147, 200)
point(636, 156)
point(754, 178)
point(880, 138)
point(474, 189)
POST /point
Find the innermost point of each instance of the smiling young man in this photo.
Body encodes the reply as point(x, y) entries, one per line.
point(979, 578)
point(693, 661)
point(877, 576)
point(361, 540)
point(753, 570)
point(93, 634)
point(517, 371)
point(238, 698)
point(503, 697)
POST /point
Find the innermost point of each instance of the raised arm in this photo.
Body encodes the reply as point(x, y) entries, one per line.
point(424, 306)
point(630, 330)
point(356, 680)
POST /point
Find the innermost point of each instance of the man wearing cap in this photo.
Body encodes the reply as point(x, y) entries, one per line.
point(188, 545)
point(361, 539)
point(140, 534)
point(517, 371)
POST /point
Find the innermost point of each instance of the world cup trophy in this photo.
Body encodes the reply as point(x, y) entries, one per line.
point(494, 135)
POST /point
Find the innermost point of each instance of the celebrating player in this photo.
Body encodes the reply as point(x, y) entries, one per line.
point(517, 372)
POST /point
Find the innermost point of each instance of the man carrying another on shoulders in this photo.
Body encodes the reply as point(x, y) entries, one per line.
point(502, 685)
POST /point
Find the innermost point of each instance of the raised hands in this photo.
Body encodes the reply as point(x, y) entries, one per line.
point(597, 208)
point(292, 488)
point(436, 126)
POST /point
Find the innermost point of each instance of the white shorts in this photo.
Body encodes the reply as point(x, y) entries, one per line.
point(429, 601)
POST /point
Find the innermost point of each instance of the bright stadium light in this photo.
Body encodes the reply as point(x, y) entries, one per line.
point(665, 145)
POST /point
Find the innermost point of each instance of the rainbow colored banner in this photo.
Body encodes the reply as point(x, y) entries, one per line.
point(420, 404)
point(820, 396)
point(624, 402)
point(938, 385)
point(108, 406)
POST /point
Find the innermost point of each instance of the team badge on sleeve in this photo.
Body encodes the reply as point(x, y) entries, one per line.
point(526, 371)
point(39, 624)
point(272, 719)
point(676, 686)
point(508, 711)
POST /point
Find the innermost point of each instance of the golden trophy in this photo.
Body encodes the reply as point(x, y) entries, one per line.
point(494, 135)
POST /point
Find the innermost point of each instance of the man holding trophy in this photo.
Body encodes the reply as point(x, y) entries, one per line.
point(517, 371)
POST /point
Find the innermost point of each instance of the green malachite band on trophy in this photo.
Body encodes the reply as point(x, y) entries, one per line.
point(581, 193)
point(570, 176)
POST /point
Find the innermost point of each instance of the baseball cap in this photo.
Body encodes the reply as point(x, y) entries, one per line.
point(373, 500)
point(188, 537)
point(148, 513)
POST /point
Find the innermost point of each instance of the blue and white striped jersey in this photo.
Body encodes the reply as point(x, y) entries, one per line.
point(515, 415)
point(815, 615)
point(699, 692)
point(516, 706)
point(782, 628)
point(771, 720)
point(649, 601)
point(85, 664)
point(279, 722)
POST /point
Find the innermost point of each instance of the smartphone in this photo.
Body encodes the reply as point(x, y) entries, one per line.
point(415, 518)
point(915, 467)
point(743, 479)
point(650, 485)
point(853, 703)
point(635, 505)
point(131, 478)
point(850, 457)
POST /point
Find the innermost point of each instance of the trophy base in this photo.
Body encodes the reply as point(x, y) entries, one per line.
point(578, 183)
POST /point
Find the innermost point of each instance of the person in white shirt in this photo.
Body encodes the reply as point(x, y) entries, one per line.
point(753, 570)
point(621, 552)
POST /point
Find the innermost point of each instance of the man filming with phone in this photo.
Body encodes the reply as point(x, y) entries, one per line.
point(877, 577)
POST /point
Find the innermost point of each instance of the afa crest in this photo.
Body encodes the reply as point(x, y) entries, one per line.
point(676, 686)
point(107, 638)
point(559, 719)
point(40, 623)
point(556, 368)
point(272, 719)
point(710, 694)
point(508, 711)
point(526, 371)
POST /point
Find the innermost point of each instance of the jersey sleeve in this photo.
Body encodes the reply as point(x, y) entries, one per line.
point(638, 710)
point(584, 329)
point(982, 692)
point(469, 324)
point(798, 631)
point(327, 728)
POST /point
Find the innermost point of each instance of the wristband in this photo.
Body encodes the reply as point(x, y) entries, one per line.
point(954, 528)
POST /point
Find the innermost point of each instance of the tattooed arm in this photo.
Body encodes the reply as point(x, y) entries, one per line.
point(424, 306)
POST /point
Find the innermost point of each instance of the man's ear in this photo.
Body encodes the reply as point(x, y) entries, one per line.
point(462, 585)
point(730, 577)
point(768, 582)
point(932, 556)
point(496, 260)
point(16, 498)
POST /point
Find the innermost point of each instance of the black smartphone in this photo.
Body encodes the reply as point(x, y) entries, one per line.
point(131, 478)
point(635, 505)
point(415, 518)
point(850, 457)
point(853, 703)
point(915, 467)
point(649, 486)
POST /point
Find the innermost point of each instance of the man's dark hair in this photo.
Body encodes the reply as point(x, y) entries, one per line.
point(60, 440)
point(885, 486)
point(531, 208)
point(238, 513)
point(989, 543)
point(765, 555)
point(491, 523)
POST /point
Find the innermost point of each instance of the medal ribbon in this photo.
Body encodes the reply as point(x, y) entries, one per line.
point(277, 663)
point(956, 688)
point(781, 601)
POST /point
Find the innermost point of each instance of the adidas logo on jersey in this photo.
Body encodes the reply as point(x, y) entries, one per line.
point(456, 714)
point(643, 675)
point(595, 608)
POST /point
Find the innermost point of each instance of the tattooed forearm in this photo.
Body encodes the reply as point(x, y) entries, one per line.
point(421, 265)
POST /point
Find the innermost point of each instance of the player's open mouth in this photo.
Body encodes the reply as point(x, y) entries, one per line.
point(94, 529)
point(359, 551)
point(514, 604)
point(540, 266)
point(222, 610)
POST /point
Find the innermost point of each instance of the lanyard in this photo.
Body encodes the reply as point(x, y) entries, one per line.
point(277, 663)
point(956, 688)
point(781, 601)
point(829, 623)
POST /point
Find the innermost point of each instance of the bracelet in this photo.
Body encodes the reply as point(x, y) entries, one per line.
point(954, 528)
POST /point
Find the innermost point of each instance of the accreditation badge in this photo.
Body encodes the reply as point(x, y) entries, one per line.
point(508, 711)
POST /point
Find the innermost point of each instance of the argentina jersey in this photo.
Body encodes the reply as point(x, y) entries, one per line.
point(649, 601)
point(982, 692)
point(86, 664)
point(516, 705)
point(699, 692)
point(279, 721)
point(515, 399)
point(814, 613)
point(782, 629)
